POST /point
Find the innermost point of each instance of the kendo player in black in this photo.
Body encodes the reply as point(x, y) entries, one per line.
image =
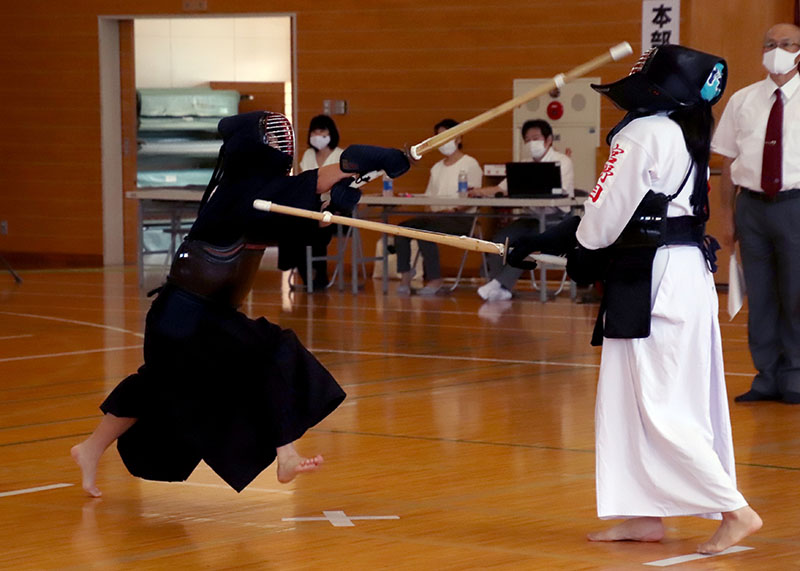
point(216, 385)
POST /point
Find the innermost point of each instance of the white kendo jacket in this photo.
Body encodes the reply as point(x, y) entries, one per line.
point(648, 158)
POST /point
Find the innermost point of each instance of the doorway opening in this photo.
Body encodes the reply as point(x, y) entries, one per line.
point(189, 71)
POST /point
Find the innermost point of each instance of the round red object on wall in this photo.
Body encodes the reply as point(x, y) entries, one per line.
point(555, 110)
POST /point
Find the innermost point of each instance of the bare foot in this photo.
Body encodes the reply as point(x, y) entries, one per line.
point(634, 529)
point(294, 464)
point(88, 466)
point(735, 526)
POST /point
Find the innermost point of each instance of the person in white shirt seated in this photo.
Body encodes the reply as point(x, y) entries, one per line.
point(323, 143)
point(443, 182)
point(538, 137)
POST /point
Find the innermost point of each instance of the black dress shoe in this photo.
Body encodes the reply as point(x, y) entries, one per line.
point(791, 398)
point(754, 396)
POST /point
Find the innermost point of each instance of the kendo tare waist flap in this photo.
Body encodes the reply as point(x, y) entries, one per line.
point(626, 295)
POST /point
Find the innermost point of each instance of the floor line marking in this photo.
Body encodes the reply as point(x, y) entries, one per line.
point(7, 337)
point(33, 490)
point(68, 353)
point(695, 556)
point(478, 359)
point(74, 322)
point(372, 353)
point(268, 292)
point(455, 358)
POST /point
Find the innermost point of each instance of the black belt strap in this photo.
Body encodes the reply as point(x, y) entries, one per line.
point(684, 230)
point(779, 197)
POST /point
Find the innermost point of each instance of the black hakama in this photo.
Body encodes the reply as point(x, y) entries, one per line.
point(216, 386)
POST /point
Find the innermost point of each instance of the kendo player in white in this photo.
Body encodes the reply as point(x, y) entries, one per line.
point(662, 427)
point(216, 385)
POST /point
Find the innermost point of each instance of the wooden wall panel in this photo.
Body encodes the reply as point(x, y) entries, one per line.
point(50, 134)
point(401, 65)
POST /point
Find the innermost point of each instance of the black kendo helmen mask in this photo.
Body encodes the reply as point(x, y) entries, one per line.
point(261, 141)
point(257, 144)
point(667, 78)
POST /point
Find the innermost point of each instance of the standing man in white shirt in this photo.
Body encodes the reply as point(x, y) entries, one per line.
point(537, 135)
point(759, 138)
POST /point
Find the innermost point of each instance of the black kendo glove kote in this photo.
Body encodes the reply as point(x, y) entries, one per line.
point(362, 159)
point(519, 249)
point(344, 197)
point(557, 241)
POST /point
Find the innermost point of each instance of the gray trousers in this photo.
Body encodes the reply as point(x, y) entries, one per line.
point(508, 275)
point(769, 240)
point(457, 225)
point(505, 274)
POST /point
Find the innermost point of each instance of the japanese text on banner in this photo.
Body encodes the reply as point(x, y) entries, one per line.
point(661, 23)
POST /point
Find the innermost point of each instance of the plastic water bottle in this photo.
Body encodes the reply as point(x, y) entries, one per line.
point(388, 186)
point(462, 183)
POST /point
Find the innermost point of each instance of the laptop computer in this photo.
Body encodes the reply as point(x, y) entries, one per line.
point(532, 180)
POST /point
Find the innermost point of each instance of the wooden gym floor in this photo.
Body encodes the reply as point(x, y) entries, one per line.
point(466, 442)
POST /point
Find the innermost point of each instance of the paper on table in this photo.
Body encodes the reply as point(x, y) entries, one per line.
point(736, 288)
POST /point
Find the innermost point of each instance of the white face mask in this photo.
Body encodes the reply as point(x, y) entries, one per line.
point(779, 61)
point(536, 149)
point(448, 148)
point(319, 142)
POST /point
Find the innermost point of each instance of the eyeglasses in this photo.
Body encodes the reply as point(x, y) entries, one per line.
point(787, 45)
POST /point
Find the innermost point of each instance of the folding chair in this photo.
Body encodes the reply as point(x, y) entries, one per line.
point(474, 232)
point(11, 270)
point(542, 287)
point(338, 257)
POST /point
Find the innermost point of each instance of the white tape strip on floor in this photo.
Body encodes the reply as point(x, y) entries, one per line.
point(695, 556)
point(338, 518)
point(32, 490)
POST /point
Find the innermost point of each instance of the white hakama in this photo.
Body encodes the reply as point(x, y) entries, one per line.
point(663, 433)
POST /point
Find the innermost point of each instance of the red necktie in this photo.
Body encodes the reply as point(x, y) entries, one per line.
point(771, 177)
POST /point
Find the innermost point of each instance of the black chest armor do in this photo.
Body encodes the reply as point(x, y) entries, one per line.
point(221, 275)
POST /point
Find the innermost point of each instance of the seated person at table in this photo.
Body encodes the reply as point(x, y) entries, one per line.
point(443, 182)
point(323, 143)
point(538, 137)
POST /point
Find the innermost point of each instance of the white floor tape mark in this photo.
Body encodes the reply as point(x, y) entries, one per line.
point(340, 519)
point(696, 556)
point(32, 490)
